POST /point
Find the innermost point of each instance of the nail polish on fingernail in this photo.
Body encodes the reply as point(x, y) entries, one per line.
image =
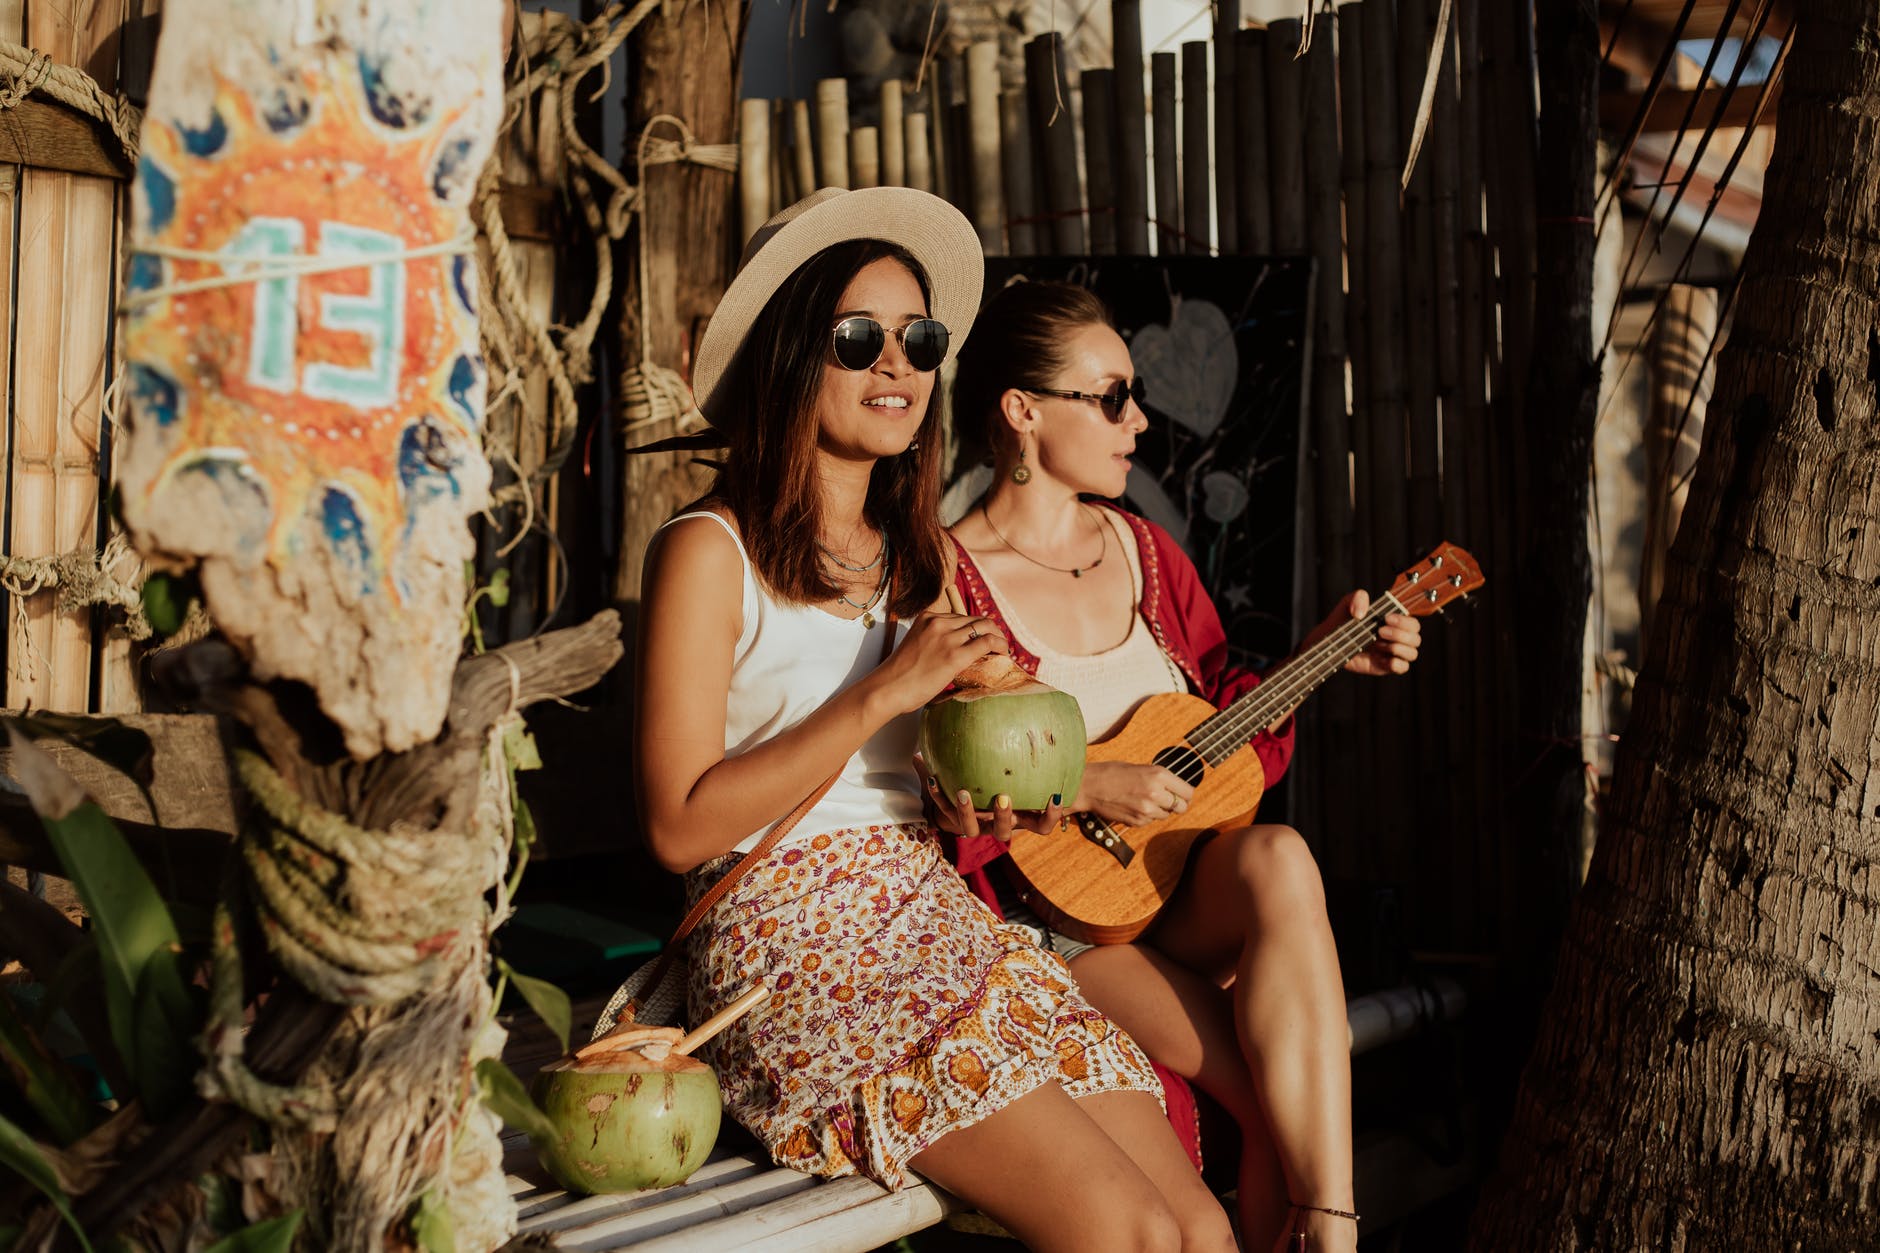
point(1003, 802)
point(965, 797)
point(1057, 798)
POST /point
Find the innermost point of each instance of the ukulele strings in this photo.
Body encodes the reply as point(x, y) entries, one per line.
point(1307, 672)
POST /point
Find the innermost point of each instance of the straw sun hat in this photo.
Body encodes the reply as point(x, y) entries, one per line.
point(937, 234)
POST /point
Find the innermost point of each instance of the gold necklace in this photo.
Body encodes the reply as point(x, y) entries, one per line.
point(1076, 572)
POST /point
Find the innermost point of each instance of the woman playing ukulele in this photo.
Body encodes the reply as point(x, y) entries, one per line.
point(1237, 986)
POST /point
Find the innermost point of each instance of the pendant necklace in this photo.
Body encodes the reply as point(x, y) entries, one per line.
point(851, 568)
point(1076, 572)
point(881, 584)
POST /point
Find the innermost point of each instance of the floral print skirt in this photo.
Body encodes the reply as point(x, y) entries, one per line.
point(901, 1008)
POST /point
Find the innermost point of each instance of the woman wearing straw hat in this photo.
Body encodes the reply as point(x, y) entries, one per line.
point(907, 1028)
point(1106, 606)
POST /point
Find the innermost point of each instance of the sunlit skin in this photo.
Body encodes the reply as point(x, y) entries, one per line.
point(1102, 1173)
point(1250, 916)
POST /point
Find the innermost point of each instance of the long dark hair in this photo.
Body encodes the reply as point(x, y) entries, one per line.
point(768, 480)
point(1018, 341)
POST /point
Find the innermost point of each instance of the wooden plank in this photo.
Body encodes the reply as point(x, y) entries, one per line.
point(531, 213)
point(1285, 126)
point(1253, 230)
point(1226, 129)
point(67, 225)
point(685, 1215)
point(841, 1216)
point(1710, 106)
point(191, 785)
point(42, 133)
point(564, 1211)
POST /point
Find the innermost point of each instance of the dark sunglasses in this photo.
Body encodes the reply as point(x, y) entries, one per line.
point(1112, 402)
point(859, 343)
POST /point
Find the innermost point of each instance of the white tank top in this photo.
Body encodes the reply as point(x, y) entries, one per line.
point(1110, 684)
point(789, 661)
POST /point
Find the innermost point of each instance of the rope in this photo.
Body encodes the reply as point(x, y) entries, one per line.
point(83, 578)
point(651, 393)
point(25, 71)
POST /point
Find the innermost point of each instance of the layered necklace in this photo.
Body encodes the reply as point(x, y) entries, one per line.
point(880, 593)
point(1076, 572)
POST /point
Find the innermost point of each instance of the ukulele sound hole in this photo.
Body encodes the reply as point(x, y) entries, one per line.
point(1183, 762)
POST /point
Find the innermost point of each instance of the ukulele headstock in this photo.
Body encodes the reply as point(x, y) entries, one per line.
point(1445, 576)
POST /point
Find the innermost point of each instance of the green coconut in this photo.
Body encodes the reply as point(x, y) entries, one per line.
point(625, 1121)
point(1025, 741)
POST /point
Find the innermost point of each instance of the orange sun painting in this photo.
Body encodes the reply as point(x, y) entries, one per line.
point(305, 386)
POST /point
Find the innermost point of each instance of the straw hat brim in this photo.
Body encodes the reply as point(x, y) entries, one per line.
point(933, 231)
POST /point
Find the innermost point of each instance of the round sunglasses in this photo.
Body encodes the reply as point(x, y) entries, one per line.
point(1113, 402)
point(859, 343)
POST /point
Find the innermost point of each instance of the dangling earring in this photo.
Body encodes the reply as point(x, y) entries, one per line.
point(1021, 473)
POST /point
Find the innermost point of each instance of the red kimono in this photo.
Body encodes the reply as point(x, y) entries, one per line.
point(1188, 627)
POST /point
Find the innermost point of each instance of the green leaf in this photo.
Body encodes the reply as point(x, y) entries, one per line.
point(133, 926)
point(273, 1236)
point(165, 1025)
point(499, 1089)
point(549, 1002)
point(18, 1151)
point(47, 1084)
point(432, 1226)
point(525, 827)
point(519, 747)
point(499, 587)
point(166, 603)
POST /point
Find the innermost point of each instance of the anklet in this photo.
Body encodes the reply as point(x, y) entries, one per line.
point(1326, 1209)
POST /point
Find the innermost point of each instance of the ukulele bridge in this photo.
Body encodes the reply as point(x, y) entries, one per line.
point(1104, 836)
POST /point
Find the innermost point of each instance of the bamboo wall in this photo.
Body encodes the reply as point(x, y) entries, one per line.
point(1419, 336)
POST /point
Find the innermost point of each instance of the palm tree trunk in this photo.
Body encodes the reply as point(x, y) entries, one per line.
point(1708, 1071)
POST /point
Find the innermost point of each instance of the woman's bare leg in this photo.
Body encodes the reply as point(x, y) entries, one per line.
point(1253, 907)
point(1187, 1023)
point(1046, 1169)
point(1105, 1171)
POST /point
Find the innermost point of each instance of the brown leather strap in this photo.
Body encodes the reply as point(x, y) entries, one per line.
point(762, 850)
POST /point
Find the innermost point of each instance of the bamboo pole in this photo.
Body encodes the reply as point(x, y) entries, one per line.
point(66, 228)
point(1325, 231)
point(1357, 300)
point(754, 164)
point(915, 133)
point(1414, 28)
point(1099, 92)
point(1285, 100)
point(962, 178)
point(865, 157)
point(1054, 143)
point(893, 135)
point(939, 146)
point(1383, 711)
point(982, 115)
point(1168, 184)
point(804, 150)
point(1334, 720)
point(1253, 232)
point(782, 176)
point(832, 132)
point(1197, 200)
point(1132, 148)
point(1015, 154)
point(1384, 264)
point(1226, 149)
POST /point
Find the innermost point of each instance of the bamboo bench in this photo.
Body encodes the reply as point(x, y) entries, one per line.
point(740, 1200)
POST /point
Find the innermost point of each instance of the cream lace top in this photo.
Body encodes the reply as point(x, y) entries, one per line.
point(1110, 684)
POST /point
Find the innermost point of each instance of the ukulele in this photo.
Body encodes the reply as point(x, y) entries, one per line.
point(1104, 882)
